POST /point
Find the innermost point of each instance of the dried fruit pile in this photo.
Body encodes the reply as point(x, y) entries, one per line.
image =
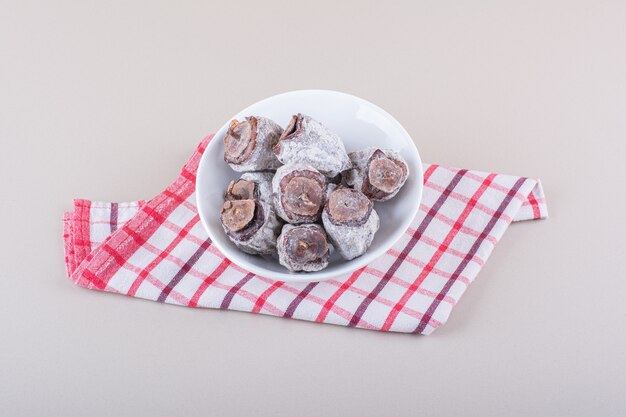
point(301, 192)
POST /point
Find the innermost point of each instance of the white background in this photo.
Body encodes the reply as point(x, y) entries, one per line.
point(105, 100)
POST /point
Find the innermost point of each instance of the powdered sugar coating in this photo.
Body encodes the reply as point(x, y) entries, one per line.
point(285, 260)
point(356, 176)
point(315, 145)
point(277, 193)
point(329, 189)
point(263, 241)
point(262, 156)
point(351, 241)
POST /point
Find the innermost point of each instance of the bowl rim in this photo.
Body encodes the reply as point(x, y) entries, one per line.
point(349, 266)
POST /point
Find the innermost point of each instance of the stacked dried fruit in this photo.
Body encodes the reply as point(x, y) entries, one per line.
point(302, 194)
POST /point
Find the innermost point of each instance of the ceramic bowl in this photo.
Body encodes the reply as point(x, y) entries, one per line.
point(360, 124)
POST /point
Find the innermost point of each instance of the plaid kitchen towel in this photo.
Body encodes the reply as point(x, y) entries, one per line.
point(158, 250)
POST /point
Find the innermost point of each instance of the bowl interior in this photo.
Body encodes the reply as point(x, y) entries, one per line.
point(360, 124)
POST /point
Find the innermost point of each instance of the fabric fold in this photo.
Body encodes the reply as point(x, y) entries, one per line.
point(158, 250)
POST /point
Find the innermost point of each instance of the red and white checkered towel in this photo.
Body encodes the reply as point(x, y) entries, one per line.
point(158, 250)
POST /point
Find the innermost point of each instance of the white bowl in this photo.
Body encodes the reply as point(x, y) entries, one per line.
point(360, 124)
